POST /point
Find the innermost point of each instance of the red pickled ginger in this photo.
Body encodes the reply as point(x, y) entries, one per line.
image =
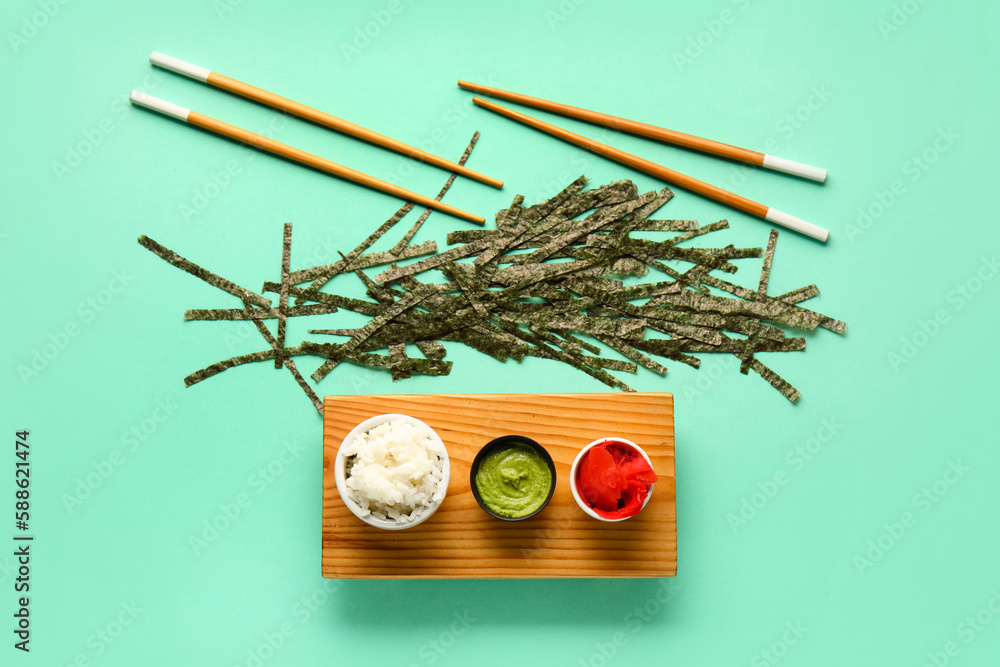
point(614, 479)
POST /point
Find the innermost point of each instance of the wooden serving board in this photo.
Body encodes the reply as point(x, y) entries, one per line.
point(463, 541)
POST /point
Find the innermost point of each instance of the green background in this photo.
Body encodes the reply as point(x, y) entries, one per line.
point(886, 95)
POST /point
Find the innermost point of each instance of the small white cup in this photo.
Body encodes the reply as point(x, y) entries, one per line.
point(419, 515)
point(576, 465)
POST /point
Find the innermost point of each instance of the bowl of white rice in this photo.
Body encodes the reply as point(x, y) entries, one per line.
point(392, 471)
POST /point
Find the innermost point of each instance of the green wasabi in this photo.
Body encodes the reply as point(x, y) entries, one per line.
point(514, 480)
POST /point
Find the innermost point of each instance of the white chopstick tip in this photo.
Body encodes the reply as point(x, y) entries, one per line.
point(797, 224)
point(156, 104)
point(794, 168)
point(179, 66)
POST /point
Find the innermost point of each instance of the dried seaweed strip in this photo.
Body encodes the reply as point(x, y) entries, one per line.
point(288, 362)
point(202, 273)
point(528, 220)
point(770, 310)
point(799, 295)
point(746, 359)
point(397, 362)
point(383, 317)
point(651, 205)
point(647, 290)
point(776, 381)
point(561, 260)
point(363, 261)
point(475, 293)
point(610, 364)
point(698, 319)
point(609, 285)
point(565, 343)
point(698, 333)
point(346, 260)
point(593, 349)
point(774, 309)
point(286, 259)
point(483, 342)
point(690, 325)
point(218, 367)
point(347, 303)
point(398, 248)
point(431, 349)
point(662, 346)
point(654, 263)
point(333, 351)
point(630, 352)
point(707, 257)
point(397, 272)
point(707, 321)
point(540, 349)
point(576, 346)
point(469, 235)
point(367, 261)
point(649, 225)
point(605, 326)
point(591, 223)
point(508, 217)
point(222, 314)
point(701, 231)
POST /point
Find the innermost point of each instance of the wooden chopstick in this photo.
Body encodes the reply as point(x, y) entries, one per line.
point(669, 175)
point(689, 141)
point(293, 154)
point(315, 115)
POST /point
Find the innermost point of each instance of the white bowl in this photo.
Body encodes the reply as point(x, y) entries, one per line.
point(420, 514)
point(576, 465)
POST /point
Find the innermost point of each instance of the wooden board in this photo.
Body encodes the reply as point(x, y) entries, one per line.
point(461, 540)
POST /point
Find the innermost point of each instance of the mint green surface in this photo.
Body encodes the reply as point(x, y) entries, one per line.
point(897, 99)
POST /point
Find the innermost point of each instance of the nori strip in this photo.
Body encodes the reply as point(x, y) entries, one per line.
point(398, 248)
point(286, 259)
point(431, 349)
point(366, 261)
point(540, 349)
point(289, 363)
point(776, 381)
point(339, 267)
point(799, 295)
point(765, 274)
point(204, 274)
point(665, 226)
point(257, 313)
point(547, 272)
point(383, 317)
point(627, 350)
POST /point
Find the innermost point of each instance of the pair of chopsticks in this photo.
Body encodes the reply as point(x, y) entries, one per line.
point(294, 154)
point(668, 136)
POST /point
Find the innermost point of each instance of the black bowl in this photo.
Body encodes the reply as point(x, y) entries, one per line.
point(502, 442)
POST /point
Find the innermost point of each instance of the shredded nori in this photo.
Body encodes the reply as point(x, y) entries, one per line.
point(552, 280)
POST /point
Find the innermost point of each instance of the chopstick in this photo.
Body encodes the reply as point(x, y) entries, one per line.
point(669, 175)
point(291, 153)
point(692, 142)
point(315, 115)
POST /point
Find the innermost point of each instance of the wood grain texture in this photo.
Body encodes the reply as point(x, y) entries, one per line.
point(671, 176)
point(619, 124)
point(294, 108)
point(461, 540)
point(322, 164)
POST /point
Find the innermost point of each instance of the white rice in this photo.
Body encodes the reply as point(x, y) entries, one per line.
point(394, 471)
